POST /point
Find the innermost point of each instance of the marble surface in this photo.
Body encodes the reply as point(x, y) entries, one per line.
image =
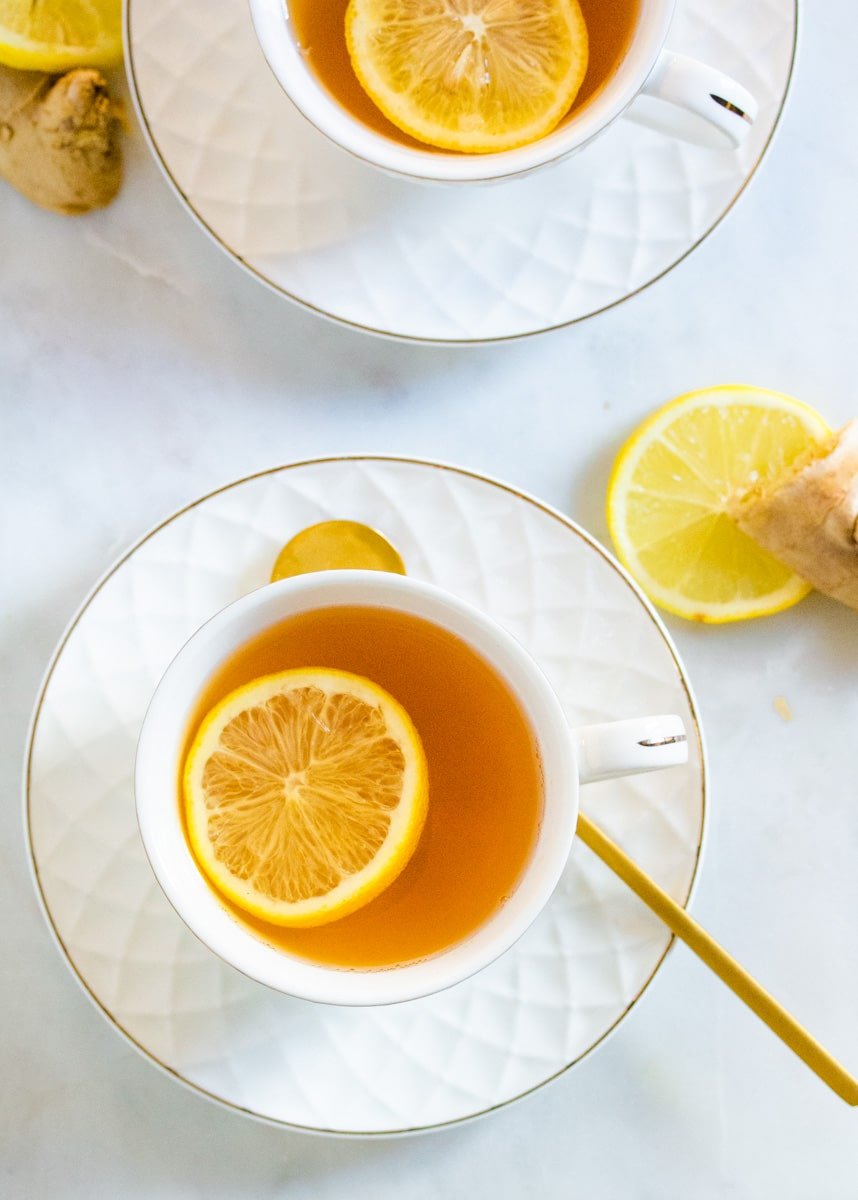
point(138, 368)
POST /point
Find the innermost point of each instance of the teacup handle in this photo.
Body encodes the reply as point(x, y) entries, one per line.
point(630, 747)
point(687, 86)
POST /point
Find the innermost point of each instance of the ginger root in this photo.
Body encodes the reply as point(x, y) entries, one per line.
point(60, 138)
point(808, 519)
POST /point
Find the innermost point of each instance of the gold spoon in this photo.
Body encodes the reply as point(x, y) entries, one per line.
point(334, 545)
point(715, 957)
point(337, 545)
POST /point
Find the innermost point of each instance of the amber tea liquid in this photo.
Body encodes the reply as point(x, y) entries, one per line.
point(319, 29)
point(485, 781)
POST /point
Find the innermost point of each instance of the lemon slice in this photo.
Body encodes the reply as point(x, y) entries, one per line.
point(54, 35)
point(470, 75)
point(677, 482)
point(305, 795)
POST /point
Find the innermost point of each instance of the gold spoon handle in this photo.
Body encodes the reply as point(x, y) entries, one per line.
point(718, 960)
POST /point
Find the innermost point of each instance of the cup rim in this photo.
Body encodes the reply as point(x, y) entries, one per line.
point(157, 772)
point(272, 25)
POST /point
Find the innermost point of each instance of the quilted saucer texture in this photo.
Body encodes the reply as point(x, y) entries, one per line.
point(451, 264)
point(546, 1003)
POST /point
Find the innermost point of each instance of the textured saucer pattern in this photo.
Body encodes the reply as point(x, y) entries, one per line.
point(541, 1007)
point(475, 263)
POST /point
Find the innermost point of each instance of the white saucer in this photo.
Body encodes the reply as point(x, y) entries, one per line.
point(550, 1000)
point(467, 264)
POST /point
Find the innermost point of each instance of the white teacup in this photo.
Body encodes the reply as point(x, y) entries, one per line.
point(569, 757)
point(679, 95)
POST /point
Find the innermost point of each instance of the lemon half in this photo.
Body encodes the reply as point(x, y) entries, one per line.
point(55, 35)
point(470, 75)
point(676, 483)
point(305, 795)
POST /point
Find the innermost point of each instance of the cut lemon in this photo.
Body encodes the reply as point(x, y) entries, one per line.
point(675, 485)
point(470, 75)
point(54, 35)
point(305, 795)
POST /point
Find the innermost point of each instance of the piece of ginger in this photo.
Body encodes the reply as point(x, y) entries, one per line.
point(60, 138)
point(808, 518)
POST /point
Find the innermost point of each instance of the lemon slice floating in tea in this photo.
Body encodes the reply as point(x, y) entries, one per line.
point(469, 75)
point(305, 795)
point(674, 491)
point(55, 35)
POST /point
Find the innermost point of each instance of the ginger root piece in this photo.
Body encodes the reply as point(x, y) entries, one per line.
point(60, 138)
point(809, 517)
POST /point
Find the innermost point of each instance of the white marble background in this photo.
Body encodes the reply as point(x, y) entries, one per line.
point(139, 368)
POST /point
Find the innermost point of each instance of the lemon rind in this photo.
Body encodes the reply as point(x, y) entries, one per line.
point(25, 54)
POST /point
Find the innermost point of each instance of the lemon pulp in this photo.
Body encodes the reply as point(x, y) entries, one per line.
point(305, 795)
point(469, 75)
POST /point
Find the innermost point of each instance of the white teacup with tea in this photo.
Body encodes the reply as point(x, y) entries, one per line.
point(356, 788)
point(447, 93)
